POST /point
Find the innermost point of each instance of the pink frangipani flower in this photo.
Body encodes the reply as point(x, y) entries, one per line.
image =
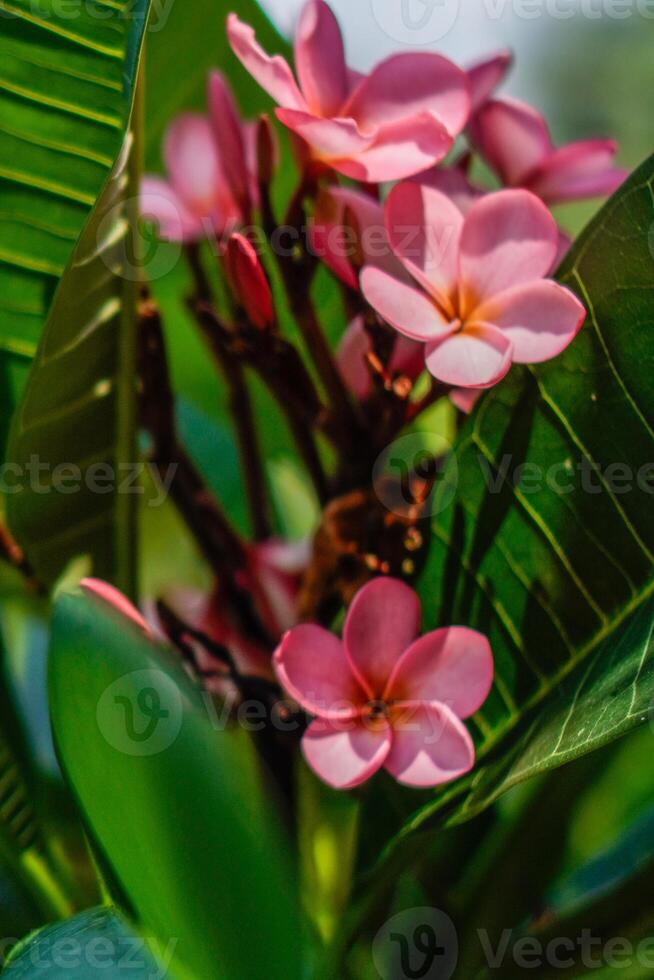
point(484, 300)
point(515, 142)
point(400, 119)
point(211, 184)
point(380, 696)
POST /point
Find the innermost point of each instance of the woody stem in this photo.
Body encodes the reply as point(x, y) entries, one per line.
point(218, 541)
point(241, 410)
point(297, 271)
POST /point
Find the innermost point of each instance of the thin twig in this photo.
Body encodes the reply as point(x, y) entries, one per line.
point(201, 283)
point(217, 539)
point(240, 405)
point(14, 555)
point(281, 369)
point(297, 273)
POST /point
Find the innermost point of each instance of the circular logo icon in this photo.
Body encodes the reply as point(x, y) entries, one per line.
point(417, 473)
point(416, 22)
point(136, 239)
point(141, 713)
point(417, 944)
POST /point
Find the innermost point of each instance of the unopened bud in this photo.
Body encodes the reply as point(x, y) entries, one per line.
point(249, 282)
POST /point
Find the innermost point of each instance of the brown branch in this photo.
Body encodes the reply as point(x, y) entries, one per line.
point(297, 271)
point(202, 286)
point(13, 554)
point(216, 538)
point(281, 369)
point(240, 406)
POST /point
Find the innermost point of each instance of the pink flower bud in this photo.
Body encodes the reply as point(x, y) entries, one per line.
point(249, 282)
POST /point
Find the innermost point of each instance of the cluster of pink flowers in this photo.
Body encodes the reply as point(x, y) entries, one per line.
point(462, 273)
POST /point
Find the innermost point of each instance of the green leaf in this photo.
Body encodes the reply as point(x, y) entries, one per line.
point(76, 417)
point(97, 944)
point(173, 797)
point(632, 853)
point(65, 92)
point(30, 860)
point(561, 581)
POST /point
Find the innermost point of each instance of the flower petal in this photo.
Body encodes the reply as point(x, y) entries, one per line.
point(405, 307)
point(312, 666)
point(406, 85)
point(329, 138)
point(465, 399)
point(512, 137)
point(351, 358)
point(320, 59)
point(382, 621)
point(578, 171)
point(273, 74)
point(229, 136)
point(159, 203)
point(108, 593)
point(476, 357)
point(399, 150)
point(430, 746)
point(564, 246)
point(539, 318)
point(485, 76)
point(192, 160)
point(508, 238)
point(454, 183)
point(346, 754)
point(424, 228)
point(453, 666)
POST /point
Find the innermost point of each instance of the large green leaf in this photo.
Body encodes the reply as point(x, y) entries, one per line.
point(65, 91)
point(78, 406)
point(562, 582)
point(97, 944)
point(173, 798)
